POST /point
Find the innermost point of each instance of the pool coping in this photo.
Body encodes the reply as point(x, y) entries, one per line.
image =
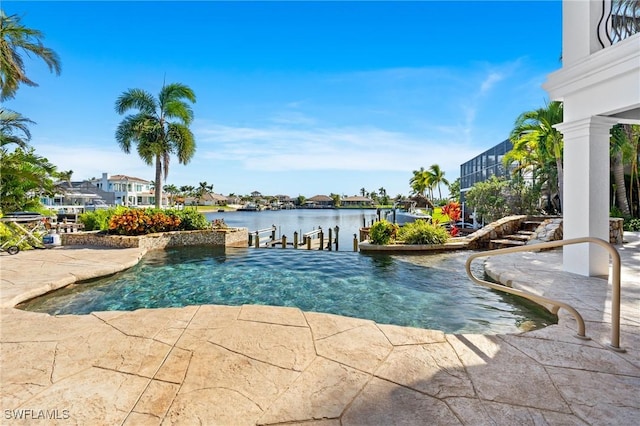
point(294, 366)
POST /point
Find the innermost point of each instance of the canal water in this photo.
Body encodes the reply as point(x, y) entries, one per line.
point(302, 220)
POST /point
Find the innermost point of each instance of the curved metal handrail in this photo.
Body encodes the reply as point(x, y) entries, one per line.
point(556, 304)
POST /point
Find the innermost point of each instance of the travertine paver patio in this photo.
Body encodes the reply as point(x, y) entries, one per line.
point(270, 365)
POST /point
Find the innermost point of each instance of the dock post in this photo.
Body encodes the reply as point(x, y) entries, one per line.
point(250, 239)
point(337, 231)
point(355, 242)
point(257, 240)
point(308, 243)
point(284, 241)
point(321, 234)
point(295, 240)
point(273, 232)
point(330, 242)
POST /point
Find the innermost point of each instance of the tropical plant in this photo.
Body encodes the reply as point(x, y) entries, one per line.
point(98, 220)
point(537, 145)
point(24, 178)
point(436, 178)
point(499, 197)
point(454, 190)
point(452, 210)
point(191, 219)
point(141, 222)
point(419, 182)
point(489, 198)
point(203, 189)
point(151, 128)
point(622, 148)
point(337, 200)
point(172, 190)
point(16, 40)
point(14, 129)
point(383, 232)
point(422, 232)
point(632, 225)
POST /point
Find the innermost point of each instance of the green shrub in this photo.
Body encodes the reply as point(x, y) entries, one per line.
point(97, 220)
point(616, 212)
point(191, 220)
point(422, 232)
point(632, 225)
point(382, 232)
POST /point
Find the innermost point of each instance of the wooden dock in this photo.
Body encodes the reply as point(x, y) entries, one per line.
point(317, 239)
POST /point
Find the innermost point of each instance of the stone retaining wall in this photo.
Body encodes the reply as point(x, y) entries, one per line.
point(615, 230)
point(495, 230)
point(549, 230)
point(231, 237)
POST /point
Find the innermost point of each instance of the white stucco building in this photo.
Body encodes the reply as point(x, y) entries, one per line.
point(599, 84)
point(128, 190)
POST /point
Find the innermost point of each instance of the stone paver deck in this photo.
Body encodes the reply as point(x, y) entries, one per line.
point(267, 365)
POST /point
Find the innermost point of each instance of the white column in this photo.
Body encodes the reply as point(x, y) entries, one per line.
point(586, 193)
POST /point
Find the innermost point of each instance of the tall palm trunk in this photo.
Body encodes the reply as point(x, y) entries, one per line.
point(618, 177)
point(158, 187)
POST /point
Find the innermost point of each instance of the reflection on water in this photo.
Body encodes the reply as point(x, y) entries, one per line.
point(429, 291)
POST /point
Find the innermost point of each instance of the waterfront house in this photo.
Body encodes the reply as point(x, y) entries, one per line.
point(77, 195)
point(128, 190)
point(319, 202)
point(207, 199)
point(357, 201)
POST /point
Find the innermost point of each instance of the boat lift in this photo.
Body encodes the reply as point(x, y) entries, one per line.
point(24, 226)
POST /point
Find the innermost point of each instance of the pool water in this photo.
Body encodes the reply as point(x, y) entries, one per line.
point(430, 291)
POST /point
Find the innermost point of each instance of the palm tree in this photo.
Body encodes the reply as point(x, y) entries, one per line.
point(419, 182)
point(536, 141)
point(11, 125)
point(624, 152)
point(203, 189)
point(363, 191)
point(436, 178)
point(172, 190)
point(15, 39)
point(24, 176)
point(151, 129)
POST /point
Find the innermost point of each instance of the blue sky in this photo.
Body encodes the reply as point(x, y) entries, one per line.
point(292, 97)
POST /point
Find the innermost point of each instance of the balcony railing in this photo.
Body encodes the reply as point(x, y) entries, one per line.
point(620, 20)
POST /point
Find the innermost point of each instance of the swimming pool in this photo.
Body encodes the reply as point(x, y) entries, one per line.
point(430, 291)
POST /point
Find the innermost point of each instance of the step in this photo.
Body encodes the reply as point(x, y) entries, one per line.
point(530, 225)
point(521, 232)
point(517, 237)
point(493, 244)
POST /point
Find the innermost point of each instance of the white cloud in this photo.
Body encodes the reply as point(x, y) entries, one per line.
point(91, 161)
point(347, 148)
point(490, 81)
